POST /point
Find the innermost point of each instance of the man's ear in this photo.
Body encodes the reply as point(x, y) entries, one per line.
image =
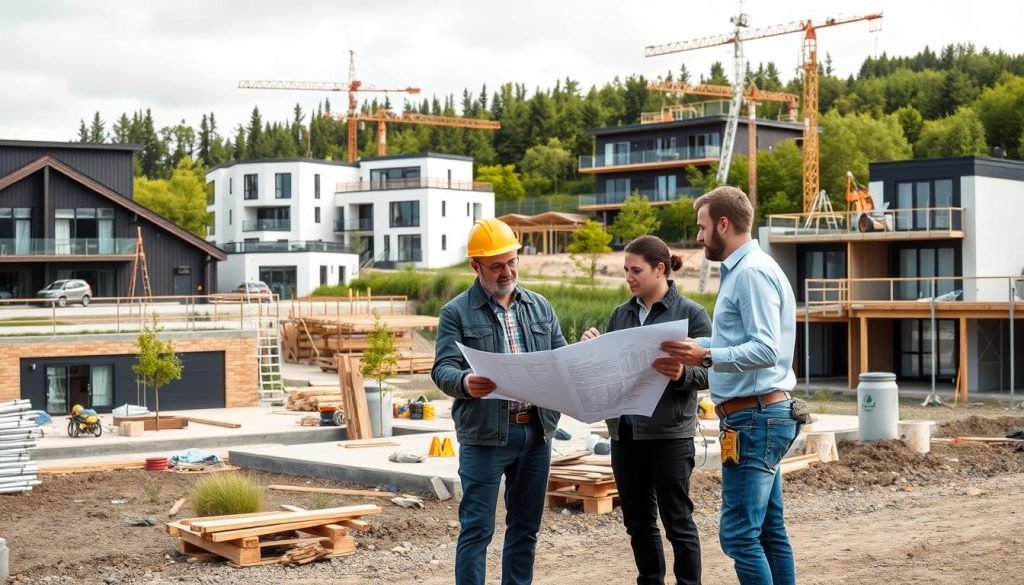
point(723, 225)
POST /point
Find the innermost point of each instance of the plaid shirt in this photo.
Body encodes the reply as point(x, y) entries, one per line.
point(515, 339)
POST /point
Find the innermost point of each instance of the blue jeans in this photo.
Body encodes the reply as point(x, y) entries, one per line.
point(524, 461)
point(753, 530)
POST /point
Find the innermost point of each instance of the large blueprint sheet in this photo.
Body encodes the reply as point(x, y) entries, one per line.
point(600, 378)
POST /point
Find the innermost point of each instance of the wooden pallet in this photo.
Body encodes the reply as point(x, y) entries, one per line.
point(597, 497)
point(292, 536)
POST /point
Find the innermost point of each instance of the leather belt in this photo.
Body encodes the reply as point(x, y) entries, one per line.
point(743, 402)
point(521, 418)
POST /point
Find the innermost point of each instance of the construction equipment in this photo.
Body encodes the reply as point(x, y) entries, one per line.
point(751, 96)
point(140, 260)
point(821, 209)
point(860, 208)
point(809, 65)
point(83, 421)
point(382, 117)
point(352, 87)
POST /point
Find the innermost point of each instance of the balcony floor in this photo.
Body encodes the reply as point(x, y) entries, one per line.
point(795, 237)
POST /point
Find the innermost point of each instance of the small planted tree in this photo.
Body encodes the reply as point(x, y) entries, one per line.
point(636, 218)
point(157, 364)
point(588, 244)
point(380, 361)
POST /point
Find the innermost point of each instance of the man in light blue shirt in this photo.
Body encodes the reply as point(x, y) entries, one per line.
point(749, 357)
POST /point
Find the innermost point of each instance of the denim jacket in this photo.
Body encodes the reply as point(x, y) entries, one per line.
point(675, 416)
point(469, 320)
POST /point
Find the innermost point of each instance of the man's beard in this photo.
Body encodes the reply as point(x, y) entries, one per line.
point(497, 289)
point(714, 249)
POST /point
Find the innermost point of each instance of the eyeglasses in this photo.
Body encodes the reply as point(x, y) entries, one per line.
point(496, 268)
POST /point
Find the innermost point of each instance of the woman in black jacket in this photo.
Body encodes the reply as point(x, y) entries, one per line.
point(653, 457)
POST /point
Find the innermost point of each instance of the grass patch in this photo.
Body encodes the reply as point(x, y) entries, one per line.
point(320, 501)
point(227, 493)
point(153, 488)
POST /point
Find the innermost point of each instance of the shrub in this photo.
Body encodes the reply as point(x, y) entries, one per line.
point(227, 493)
point(153, 488)
point(320, 501)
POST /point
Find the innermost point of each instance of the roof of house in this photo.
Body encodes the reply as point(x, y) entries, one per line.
point(255, 161)
point(691, 122)
point(81, 145)
point(129, 204)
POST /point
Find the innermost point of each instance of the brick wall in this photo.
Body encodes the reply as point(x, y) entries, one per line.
point(240, 371)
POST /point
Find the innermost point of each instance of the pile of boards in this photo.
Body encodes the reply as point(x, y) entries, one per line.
point(310, 339)
point(584, 477)
point(291, 536)
point(311, 399)
point(408, 363)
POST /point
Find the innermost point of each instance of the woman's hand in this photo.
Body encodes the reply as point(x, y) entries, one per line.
point(589, 334)
point(685, 352)
point(478, 386)
point(669, 367)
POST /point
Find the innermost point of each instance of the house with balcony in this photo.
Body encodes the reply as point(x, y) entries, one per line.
point(927, 286)
point(67, 210)
point(651, 158)
point(298, 224)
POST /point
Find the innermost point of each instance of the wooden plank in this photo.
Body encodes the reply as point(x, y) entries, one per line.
point(289, 541)
point(332, 531)
point(214, 423)
point(188, 521)
point(92, 468)
point(336, 491)
point(361, 412)
point(177, 506)
point(381, 443)
point(229, 535)
point(232, 552)
point(280, 519)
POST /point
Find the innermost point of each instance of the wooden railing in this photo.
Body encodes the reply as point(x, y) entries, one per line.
point(823, 294)
point(924, 220)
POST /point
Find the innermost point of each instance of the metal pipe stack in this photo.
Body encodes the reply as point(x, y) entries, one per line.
point(18, 434)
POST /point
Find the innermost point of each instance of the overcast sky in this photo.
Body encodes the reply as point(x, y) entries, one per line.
point(63, 60)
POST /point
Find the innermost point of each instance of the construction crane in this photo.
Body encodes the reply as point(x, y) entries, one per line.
point(352, 87)
point(752, 95)
point(383, 117)
point(809, 65)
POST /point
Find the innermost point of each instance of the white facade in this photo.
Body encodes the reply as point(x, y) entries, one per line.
point(991, 235)
point(397, 210)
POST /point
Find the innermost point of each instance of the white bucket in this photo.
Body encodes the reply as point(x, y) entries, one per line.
point(878, 406)
point(916, 435)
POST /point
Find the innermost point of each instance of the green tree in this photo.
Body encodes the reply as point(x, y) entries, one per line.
point(961, 134)
point(678, 221)
point(543, 165)
point(181, 199)
point(850, 142)
point(505, 181)
point(911, 121)
point(380, 360)
point(588, 244)
point(1001, 110)
point(636, 218)
point(156, 363)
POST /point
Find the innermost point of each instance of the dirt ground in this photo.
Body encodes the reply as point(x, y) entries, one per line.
point(881, 513)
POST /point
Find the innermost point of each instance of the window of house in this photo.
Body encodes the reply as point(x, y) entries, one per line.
point(316, 215)
point(84, 230)
point(409, 248)
point(915, 348)
point(230, 216)
point(467, 210)
point(211, 226)
point(282, 185)
point(444, 242)
point(394, 178)
point(616, 153)
point(323, 276)
point(616, 191)
point(316, 186)
point(927, 262)
point(821, 263)
point(231, 185)
point(211, 192)
point(341, 275)
point(444, 208)
point(405, 214)
point(923, 205)
point(666, 190)
point(16, 227)
point(703, 145)
point(251, 186)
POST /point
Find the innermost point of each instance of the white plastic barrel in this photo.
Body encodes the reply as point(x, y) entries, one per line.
point(878, 406)
point(4, 567)
point(916, 434)
point(379, 406)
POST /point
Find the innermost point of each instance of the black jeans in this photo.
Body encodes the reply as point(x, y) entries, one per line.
point(653, 477)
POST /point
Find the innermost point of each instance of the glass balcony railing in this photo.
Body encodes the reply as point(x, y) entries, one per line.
point(415, 183)
point(354, 225)
point(639, 157)
point(67, 247)
point(266, 225)
point(652, 195)
point(288, 246)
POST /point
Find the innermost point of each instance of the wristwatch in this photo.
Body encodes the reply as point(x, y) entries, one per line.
point(706, 362)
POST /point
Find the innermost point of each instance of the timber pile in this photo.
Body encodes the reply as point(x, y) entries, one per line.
point(410, 363)
point(311, 338)
point(353, 392)
point(312, 400)
point(582, 477)
point(292, 536)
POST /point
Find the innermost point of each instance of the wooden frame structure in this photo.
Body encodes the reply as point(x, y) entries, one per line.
point(549, 232)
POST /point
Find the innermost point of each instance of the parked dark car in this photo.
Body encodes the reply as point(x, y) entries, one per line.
point(62, 292)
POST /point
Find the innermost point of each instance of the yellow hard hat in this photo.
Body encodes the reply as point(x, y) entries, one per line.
point(76, 409)
point(491, 237)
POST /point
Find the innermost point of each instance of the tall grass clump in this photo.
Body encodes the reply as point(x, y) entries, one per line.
point(227, 493)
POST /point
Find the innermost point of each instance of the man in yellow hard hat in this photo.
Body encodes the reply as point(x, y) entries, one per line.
point(496, 437)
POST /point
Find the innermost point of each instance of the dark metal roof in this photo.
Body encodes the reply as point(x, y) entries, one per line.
point(283, 160)
point(417, 155)
point(82, 145)
point(692, 122)
point(962, 166)
point(131, 205)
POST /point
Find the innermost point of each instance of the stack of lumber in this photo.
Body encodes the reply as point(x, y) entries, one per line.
point(310, 400)
point(309, 339)
point(408, 363)
point(357, 414)
point(292, 536)
point(18, 434)
point(582, 477)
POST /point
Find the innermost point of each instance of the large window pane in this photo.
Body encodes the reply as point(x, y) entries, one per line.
point(102, 386)
point(282, 185)
point(941, 218)
point(251, 187)
point(904, 200)
point(922, 201)
point(56, 389)
point(908, 269)
point(405, 214)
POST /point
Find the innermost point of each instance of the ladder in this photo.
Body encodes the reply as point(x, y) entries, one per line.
point(268, 348)
point(140, 259)
point(821, 209)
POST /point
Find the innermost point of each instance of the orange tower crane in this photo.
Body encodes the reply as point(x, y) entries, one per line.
point(811, 177)
point(752, 95)
point(384, 117)
point(352, 87)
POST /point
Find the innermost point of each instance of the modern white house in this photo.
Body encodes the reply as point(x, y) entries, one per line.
point(297, 224)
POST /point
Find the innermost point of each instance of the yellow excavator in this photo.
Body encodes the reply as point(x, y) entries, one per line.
point(861, 210)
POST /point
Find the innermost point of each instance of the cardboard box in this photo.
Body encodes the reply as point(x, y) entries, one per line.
point(132, 428)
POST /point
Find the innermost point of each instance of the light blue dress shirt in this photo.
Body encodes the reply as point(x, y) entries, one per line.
point(753, 333)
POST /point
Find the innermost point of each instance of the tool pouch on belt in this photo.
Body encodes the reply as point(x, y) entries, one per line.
point(730, 440)
point(801, 412)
